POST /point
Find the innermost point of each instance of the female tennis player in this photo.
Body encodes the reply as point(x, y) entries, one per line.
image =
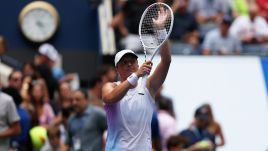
point(129, 114)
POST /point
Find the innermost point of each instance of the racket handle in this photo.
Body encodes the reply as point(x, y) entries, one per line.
point(143, 85)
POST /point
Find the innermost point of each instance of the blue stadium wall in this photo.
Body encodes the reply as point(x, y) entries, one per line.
point(77, 37)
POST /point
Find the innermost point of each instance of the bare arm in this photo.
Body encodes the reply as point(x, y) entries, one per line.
point(112, 93)
point(158, 77)
point(13, 130)
point(222, 142)
point(118, 22)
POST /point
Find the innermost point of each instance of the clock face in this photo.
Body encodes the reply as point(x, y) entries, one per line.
point(38, 21)
point(38, 25)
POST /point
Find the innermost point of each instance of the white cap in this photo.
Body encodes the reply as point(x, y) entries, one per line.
point(49, 51)
point(121, 53)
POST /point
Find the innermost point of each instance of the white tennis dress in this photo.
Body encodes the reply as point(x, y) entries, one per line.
point(129, 122)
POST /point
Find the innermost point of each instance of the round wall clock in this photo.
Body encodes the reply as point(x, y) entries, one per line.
point(38, 21)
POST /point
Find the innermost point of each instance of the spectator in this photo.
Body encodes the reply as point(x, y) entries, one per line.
point(220, 41)
point(43, 112)
point(214, 127)
point(167, 122)
point(198, 131)
point(42, 61)
point(29, 69)
point(25, 95)
point(185, 28)
point(164, 102)
point(156, 136)
point(65, 100)
point(252, 30)
point(10, 120)
point(51, 57)
point(127, 21)
point(21, 142)
point(207, 13)
point(107, 73)
point(15, 79)
point(94, 93)
point(86, 126)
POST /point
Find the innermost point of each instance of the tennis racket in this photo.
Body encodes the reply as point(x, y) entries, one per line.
point(154, 29)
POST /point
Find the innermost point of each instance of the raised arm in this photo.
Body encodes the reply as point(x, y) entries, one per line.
point(159, 75)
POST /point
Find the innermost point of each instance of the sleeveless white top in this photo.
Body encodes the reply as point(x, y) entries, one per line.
point(129, 122)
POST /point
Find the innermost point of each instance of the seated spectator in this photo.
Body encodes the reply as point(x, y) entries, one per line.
point(220, 41)
point(185, 28)
point(178, 143)
point(252, 30)
point(214, 127)
point(207, 13)
point(198, 132)
point(127, 21)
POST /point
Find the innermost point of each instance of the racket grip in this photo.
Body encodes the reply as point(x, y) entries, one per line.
point(142, 86)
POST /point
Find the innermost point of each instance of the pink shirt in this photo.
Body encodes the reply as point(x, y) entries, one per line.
point(167, 125)
point(47, 116)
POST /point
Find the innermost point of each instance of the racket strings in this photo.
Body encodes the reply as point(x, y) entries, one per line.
point(149, 34)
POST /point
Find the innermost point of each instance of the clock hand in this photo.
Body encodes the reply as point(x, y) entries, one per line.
point(38, 23)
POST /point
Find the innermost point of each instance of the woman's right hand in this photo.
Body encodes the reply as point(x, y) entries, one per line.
point(144, 69)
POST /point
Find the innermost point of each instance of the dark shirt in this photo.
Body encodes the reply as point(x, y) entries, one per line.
point(21, 142)
point(51, 82)
point(133, 10)
point(88, 128)
point(184, 23)
point(194, 135)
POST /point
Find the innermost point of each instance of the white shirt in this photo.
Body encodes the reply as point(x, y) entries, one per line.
point(243, 26)
point(129, 122)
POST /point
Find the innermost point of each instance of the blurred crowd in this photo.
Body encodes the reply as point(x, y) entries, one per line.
point(44, 108)
point(201, 27)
